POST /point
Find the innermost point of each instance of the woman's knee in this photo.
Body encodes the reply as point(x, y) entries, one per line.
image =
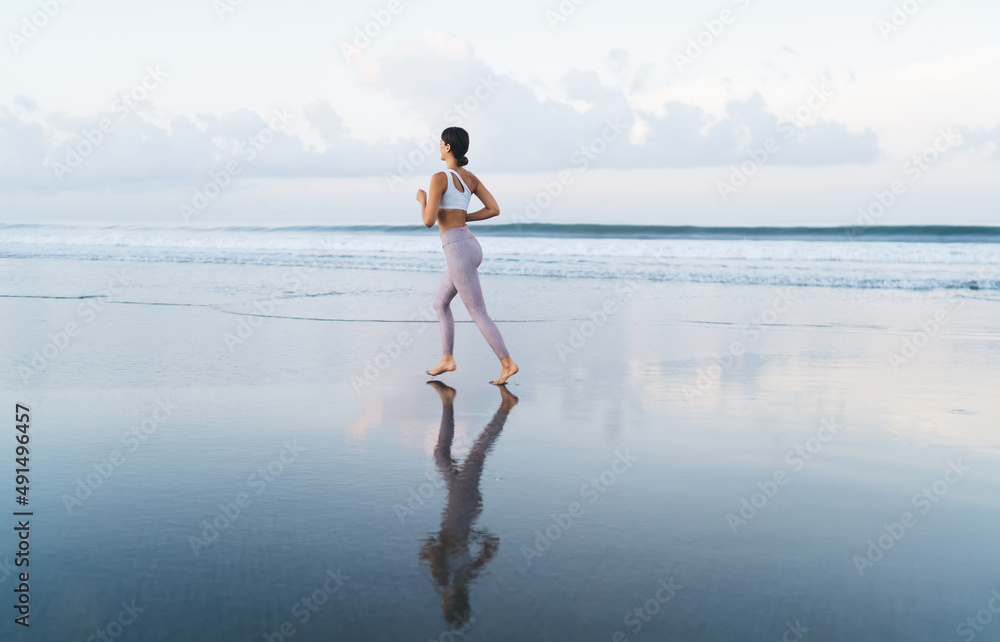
point(480, 316)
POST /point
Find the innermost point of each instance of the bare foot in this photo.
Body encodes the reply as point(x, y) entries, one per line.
point(447, 392)
point(509, 399)
point(447, 364)
point(509, 370)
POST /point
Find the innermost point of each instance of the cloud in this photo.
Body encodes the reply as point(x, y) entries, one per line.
point(618, 60)
point(986, 140)
point(25, 103)
point(439, 78)
point(108, 151)
point(517, 132)
point(641, 78)
point(824, 142)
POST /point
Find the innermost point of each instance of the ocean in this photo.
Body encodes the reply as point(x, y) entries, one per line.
point(906, 258)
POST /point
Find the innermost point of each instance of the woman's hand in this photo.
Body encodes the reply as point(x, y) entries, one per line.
point(422, 197)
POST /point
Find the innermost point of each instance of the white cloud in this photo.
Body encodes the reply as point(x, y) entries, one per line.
point(440, 79)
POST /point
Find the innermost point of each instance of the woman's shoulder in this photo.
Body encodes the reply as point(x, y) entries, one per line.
point(470, 179)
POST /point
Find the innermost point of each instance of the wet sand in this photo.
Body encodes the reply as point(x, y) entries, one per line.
point(683, 461)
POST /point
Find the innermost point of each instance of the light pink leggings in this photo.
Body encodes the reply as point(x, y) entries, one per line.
point(464, 254)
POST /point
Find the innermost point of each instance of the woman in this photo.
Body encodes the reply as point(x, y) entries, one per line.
point(448, 205)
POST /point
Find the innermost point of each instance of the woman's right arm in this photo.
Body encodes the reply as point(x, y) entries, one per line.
point(491, 209)
point(430, 204)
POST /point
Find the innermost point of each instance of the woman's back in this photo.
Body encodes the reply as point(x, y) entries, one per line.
point(458, 194)
point(455, 199)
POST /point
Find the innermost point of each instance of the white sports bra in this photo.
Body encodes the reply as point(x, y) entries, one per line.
point(452, 199)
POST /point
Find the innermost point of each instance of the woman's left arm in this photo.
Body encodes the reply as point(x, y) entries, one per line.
point(431, 204)
point(492, 207)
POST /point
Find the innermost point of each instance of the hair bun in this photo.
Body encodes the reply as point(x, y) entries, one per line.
point(463, 161)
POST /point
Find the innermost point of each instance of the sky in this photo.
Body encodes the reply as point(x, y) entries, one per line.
point(735, 112)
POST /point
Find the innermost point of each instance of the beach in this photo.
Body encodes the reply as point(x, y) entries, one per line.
point(239, 441)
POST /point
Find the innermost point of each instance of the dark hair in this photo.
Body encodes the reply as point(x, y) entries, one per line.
point(458, 138)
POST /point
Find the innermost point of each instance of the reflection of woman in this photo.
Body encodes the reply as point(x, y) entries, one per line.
point(457, 553)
